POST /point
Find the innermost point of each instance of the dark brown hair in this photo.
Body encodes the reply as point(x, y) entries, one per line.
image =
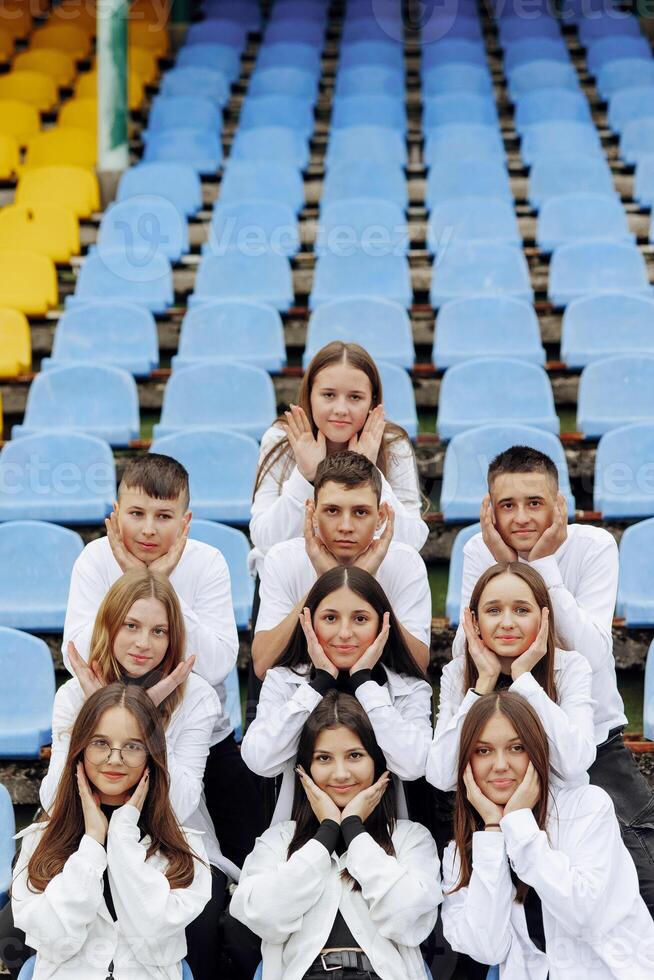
point(349, 470)
point(158, 476)
point(522, 459)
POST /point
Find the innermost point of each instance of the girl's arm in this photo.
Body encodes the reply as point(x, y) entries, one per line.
point(67, 703)
point(187, 753)
point(278, 509)
point(443, 755)
point(403, 728)
point(401, 489)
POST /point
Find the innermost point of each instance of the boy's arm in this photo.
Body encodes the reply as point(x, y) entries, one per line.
point(210, 624)
point(88, 586)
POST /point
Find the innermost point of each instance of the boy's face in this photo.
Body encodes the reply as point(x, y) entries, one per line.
point(149, 527)
point(347, 518)
point(523, 505)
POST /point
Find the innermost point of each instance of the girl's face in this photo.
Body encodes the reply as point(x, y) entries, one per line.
point(345, 625)
point(340, 766)
point(508, 615)
point(341, 397)
point(499, 760)
point(114, 773)
point(141, 642)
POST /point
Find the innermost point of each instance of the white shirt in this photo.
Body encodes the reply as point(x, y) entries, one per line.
point(568, 724)
point(69, 924)
point(278, 505)
point(292, 902)
point(188, 737)
point(201, 581)
point(288, 575)
point(597, 926)
point(399, 712)
point(582, 581)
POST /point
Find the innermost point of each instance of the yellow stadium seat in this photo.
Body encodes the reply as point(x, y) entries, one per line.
point(147, 35)
point(50, 229)
point(144, 62)
point(9, 156)
point(15, 343)
point(19, 119)
point(80, 112)
point(58, 64)
point(16, 18)
point(29, 86)
point(63, 37)
point(151, 11)
point(80, 13)
point(6, 45)
point(28, 282)
point(73, 187)
point(64, 144)
point(87, 88)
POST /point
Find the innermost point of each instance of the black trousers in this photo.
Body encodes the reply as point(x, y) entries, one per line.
point(234, 800)
point(203, 938)
point(13, 949)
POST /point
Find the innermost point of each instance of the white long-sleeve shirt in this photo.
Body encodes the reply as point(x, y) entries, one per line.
point(596, 925)
point(278, 505)
point(568, 724)
point(582, 581)
point(399, 712)
point(292, 902)
point(201, 581)
point(188, 737)
point(69, 923)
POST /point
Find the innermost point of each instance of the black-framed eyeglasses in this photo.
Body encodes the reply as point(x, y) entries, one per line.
point(99, 751)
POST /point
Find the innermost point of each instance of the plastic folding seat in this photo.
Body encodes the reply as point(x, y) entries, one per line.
point(614, 24)
point(19, 119)
point(455, 577)
point(628, 381)
point(274, 144)
point(361, 179)
point(480, 269)
point(369, 80)
point(644, 182)
point(560, 139)
point(87, 87)
point(9, 156)
point(81, 113)
point(485, 326)
point(7, 847)
point(193, 80)
point(147, 224)
point(62, 37)
point(630, 103)
point(551, 105)
point(229, 330)
point(462, 142)
point(569, 173)
point(264, 278)
point(596, 267)
point(375, 110)
point(637, 140)
point(253, 225)
point(635, 601)
point(144, 63)
point(248, 14)
point(608, 49)
point(81, 15)
point(463, 220)
point(372, 52)
point(49, 229)
point(15, 343)
point(6, 46)
point(218, 57)
point(295, 32)
point(459, 107)
point(228, 395)
point(456, 178)
point(279, 182)
point(122, 335)
point(175, 182)
point(49, 61)
point(306, 57)
point(380, 325)
point(452, 52)
point(34, 87)
point(277, 110)
point(449, 78)
point(19, 25)
point(222, 467)
point(536, 76)
point(371, 30)
point(622, 485)
point(196, 148)
point(234, 547)
point(467, 458)
point(534, 49)
point(28, 282)
point(64, 477)
point(581, 217)
point(293, 82)
point(130, 277)
point(68, 146)
point(171, 112)
point(596, 327)
point(399, 397)
point(624, 73)
point(511, 30)
point(285, 9)
point(463, 26)
point(477, 392)
point(346, 276)
point(217, 30)
point(377, 144)
point(26, 696)
point(71, 187)
point(143, 34)
point(36, 561)
point(376, 226)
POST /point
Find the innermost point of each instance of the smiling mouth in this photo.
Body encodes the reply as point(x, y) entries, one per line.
point(523, 534)
point(147, 544)
point(114, 776)
point(344, 647)
point(502, 783)
point(343, 789)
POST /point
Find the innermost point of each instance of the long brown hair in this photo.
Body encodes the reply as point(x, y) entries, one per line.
point(336, 352)
point(544, 670)
point(132, 586)
point(65, 826)
point(338, 709)
point(532, 734)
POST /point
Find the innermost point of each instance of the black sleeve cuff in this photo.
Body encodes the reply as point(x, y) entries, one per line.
point(358, 678)
point(327, 834)
point(323, 682)
point(351, 828)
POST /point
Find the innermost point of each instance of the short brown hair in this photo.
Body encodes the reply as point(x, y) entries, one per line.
point(161, 477)
point(522, 459)
point(350, 470)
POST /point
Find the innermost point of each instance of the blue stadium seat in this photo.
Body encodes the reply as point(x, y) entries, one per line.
point(227, 395)
point(644, 181)
point(459, 107)
point(636, 583)
point(551, 139)
point(253, 224)
point(218, 57)
point(258, 178)
point(306, 57)
point(36, 561)
point(377, 144)
point(7, 846)
point(374, 225)
point(608, 49)
point(197, 148)
point(176, 182)
point(233, 704)
point(478, 392)
point(234, 547)
point(484, 326)
point(399, 397)
point(452, 52)
point(637, 140)
point(463, 220)
point(193, 79)
point(170, 112)
point(83, 397)
point(292, 31)
point(462, 26)
point(380, 29)
point(300, 10)
point(27, 970)
point(551, 105)
point(380, 325)
point(26, 695)
point(568, 173)
point(274, 144)
point(455, 577)
point(536, 76)
point(294, 82)
point(232, 330)
point(217, 30)
point(596, 267)
point(148, 224)
point(469, 454)
point(648, 699)
point(513, 29)
point(64, 477)
point(359, 179)
point(365, 110)
point(480, 269)
point(581, 217)
point(613, 23)
point(222, 467)
point(122, 335)
point(622, 486)
point(369, 80)
point(630, 380)
point(595, 327)
point(623, 73)
point(385, 53)
point(534, 49)
point(245, 12)
point(125, 277)
point(345, 276)
point(265, 278)
point(448, 78)
point(286, 111)
point(462, 141)
point(630, 103)
point(474, 177)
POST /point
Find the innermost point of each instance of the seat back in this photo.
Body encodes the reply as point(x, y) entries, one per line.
point(630, 103)
point(463, 220)
point(120, 334)
point(34, 87)
point(197, 148)
point(375, 110)
point(235, 548)
point(128, 276)
point(169, 112)
point(356, 179)
point(264, 278)
point(80, 112)
point(232, 330)
point(289, 54)
point(636, 580)
point(145, 225)
point(588, 267)
point(648, 695)
point(484, 326)
point(630, 380)
point(380, 325)
point(595, 327)
point(243, 179)
point(535, 76)
point(480, 268)
point(26, 694)
point(7, 846)
point(456, 178)
point(551, 104)
point(67, 145)
point(378, 143)
point(69, 186)
point(399, 397)
point(291, 111)
point(218, 57)
point(455, 576)
point(572, 173)
point(253, 224)
point(560, 138)
point(608, 49)
point(622, 487)
point(277, 144)
point(623, 73)
point(359, 274)
point(175, 182)
point(50, 229)
point(28, 282)
point(192, 79)
point(19, 119)
point(375, 225)
point(15, 343)
point(580, 217)
point(50, 61)
point(459, 107)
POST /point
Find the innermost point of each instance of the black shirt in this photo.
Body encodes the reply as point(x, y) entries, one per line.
point(338, 838)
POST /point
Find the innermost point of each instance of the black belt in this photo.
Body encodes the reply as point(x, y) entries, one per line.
point(342, 959)
point(613, 733)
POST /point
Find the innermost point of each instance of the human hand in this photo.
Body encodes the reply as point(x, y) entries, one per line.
point(126, 560)
point(527, 794)
point(488, 811)
point(88, 676)
point(487, 663)
point(369, 657)
point(309, 450)
point(528, 660)
point(160, 691)
point(365, 802)
point(95, 822)
point(319, 555)
point(491, 536)
point(317, 655)
point(552, 537)
point(368, 441)
point(373, 556)
point(166, 564)
point(136, 797)
point(322, 805)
